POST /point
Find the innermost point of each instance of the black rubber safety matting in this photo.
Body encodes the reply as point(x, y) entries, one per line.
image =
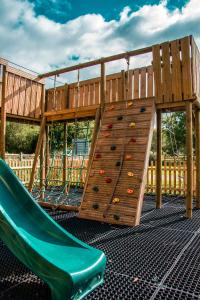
point(160, 259)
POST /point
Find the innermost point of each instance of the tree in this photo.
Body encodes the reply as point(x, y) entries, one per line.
point(21, 137)
point(174, 133)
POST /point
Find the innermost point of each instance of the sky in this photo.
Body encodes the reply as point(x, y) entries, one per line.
point(48, 34)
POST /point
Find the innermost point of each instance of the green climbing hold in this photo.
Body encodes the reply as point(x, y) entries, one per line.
point(116, 217)
point(113, 147)
point(95, 189)
point(95, 205)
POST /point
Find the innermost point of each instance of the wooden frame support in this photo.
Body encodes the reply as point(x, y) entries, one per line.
point(65, 155)
point(159, 160)
point(92, 147)
point(3, 114)
point(37, 152)
point(189, 148)
point(197, 154)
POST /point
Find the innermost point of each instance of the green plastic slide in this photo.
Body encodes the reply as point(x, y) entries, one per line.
point(71, 268)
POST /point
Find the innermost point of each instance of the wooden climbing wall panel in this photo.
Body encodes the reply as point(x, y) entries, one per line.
point(115, 187)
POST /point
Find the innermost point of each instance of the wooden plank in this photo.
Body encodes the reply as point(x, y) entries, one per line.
point(143, 84)
point(150, 82)
point(136, 84)
point(157, 73)
point(186, 68)
point(103, 87)
point(166, 72)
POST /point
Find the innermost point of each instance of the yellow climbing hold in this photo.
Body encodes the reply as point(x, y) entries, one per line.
point(130, 174)
point(116, 200)
point(132, 124)
point(130, 103)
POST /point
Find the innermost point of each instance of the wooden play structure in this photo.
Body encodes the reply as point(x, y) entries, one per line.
point(123, 106)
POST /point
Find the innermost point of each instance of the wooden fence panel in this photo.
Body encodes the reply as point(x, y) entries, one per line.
point(174, 179)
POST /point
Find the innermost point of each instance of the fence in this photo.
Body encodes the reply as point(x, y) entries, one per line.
point(173, 172)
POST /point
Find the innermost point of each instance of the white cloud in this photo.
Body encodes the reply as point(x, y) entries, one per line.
point(42, 44)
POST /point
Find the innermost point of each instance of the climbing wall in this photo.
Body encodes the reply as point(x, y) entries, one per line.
point(115, 187)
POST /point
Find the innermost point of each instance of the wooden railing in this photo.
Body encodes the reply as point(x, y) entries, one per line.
point(135, 85)
point(173, 172)
point(174, 76)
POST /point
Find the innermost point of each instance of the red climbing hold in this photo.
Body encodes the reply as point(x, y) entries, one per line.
point(108, 180)
point(132, 140)
point(110, 126)
point(98, 155)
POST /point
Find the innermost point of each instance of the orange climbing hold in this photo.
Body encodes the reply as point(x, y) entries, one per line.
point(130, 103)
point(101, 172)
point(130, 191)
point(128, 157)
point(130, 174)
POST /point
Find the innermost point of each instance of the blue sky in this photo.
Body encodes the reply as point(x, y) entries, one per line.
point(48, 34)
point(65, 10)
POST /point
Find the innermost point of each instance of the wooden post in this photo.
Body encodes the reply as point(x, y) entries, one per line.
point(37, 151)
point(197, 154)
point(42, 164)
point(189, 193)
point(159, 160)
point(3, 114)
point(65, 156)
point(47, 156)
point(103, 87)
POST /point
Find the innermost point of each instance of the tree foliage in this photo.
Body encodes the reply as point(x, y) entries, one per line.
point(21, 137)
point(174, 133)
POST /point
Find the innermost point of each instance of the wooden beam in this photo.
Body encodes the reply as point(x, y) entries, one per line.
point(97, 62)
point(60, 207)
point(92, 147)
point(3, 113)
point(159, 161)
point(189, 148)
point(197, 154)
point(37, 152)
